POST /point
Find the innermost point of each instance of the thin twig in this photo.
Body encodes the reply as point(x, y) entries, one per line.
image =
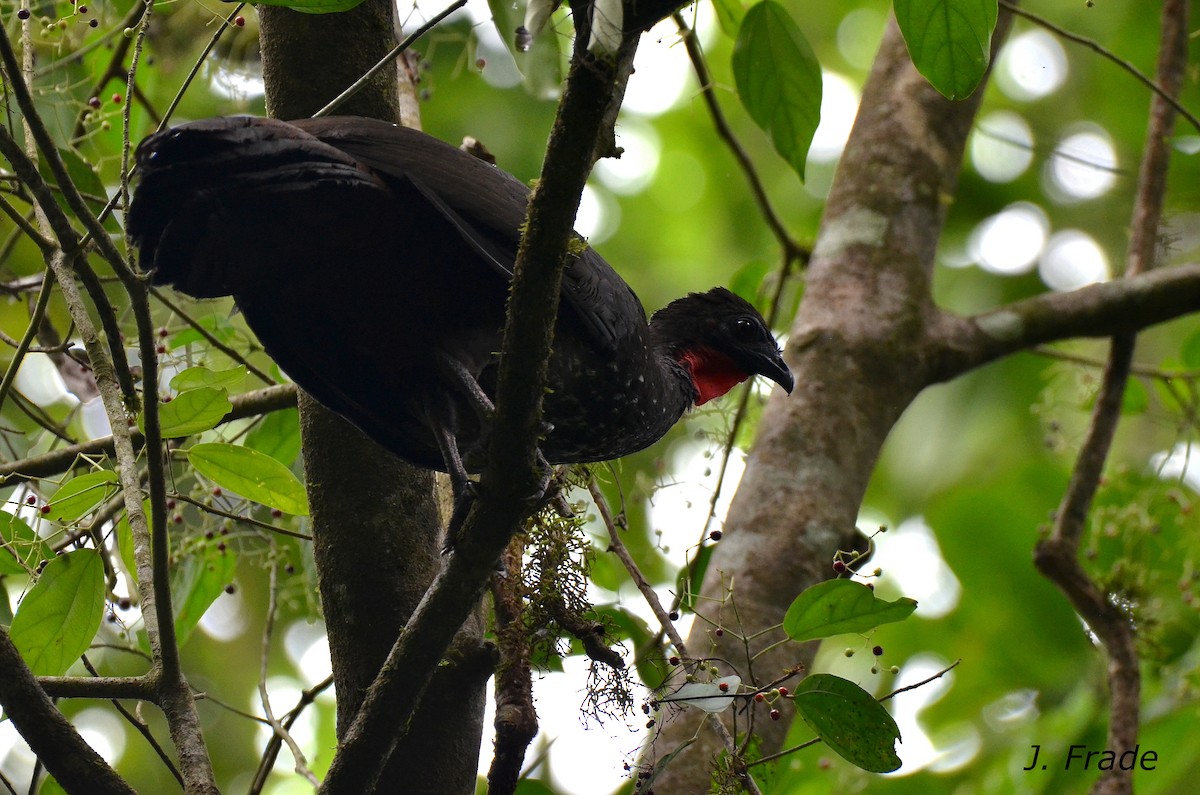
point(264, 658)
point(643, 585)
point(384, 62)
point(1099, 49)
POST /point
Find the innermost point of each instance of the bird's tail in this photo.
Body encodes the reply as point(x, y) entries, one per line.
point(205, 187)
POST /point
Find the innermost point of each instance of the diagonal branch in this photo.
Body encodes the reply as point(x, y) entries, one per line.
point(1057, 557)
point(1100, 310)
point(512, 482)
point(50, 735)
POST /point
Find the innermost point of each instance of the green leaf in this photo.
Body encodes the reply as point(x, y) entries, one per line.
point(198, 581)
point(730, 14)
point(1136, 398)
point(21, 549)
point(254, 475)
point(531, 786)
point(191, 412)
point(847, 719)
point(835, 607)
point(81, 495)
point(949, 41)
point(748, 279)
point(125, 542)
point(197, 377)
point(311, 6)
point(689, 586)
point(50, 786)
point(216, 325)
point(1190, 351)
point(779, 80)
point(278, 435)
point(58, 618)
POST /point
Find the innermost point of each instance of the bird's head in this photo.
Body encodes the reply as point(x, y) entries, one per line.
point(721, 340)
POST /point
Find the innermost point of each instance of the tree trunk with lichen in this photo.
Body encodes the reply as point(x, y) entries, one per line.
point(376, 525)
point(860, 350)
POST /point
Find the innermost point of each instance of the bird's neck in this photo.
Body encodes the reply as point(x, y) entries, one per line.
point(713, 373)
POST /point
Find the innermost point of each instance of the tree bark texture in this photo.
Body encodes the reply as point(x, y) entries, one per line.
point(376, 527)
point(861, 351)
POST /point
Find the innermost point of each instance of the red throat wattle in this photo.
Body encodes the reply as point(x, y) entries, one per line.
point(712, 372)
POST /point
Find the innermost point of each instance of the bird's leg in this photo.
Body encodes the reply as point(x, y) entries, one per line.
point(485, 411)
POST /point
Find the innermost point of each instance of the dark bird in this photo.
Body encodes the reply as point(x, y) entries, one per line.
point(373, 262)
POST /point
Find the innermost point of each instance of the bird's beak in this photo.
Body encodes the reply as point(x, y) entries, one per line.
point(771, 365)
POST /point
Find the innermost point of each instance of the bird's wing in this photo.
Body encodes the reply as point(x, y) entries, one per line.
point(487, 206)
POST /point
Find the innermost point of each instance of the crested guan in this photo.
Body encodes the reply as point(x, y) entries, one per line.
point(373, 263)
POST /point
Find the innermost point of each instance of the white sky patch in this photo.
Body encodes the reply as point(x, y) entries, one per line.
point(39, 380)
point(598, 216)
point(909, 555)
point(663, 75)
point(1180, 464)
point(102, 730)
point(917, 751)
point(839, 106)
point(1082, 166)
point(634, 170)
point(235, 82)
point(1010, 242)
point(225, 619)
point(1031, 66)
point(1073, 259)
point(1001, 146)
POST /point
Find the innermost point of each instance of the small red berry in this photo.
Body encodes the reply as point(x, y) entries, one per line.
point(240, 21)
point(776, 714)
point(117, 98)
point(839, 567)
point(166, 399)
point(221, 546)
point(759, 697)
point(720, 633)
point(216, 492)
point(45, 508)
point(160, 349)
point(94, 102)
point(672, 661)
point(783, 691)
point(177, 518)
point(170, 505)
point(124, 603)
point(276, 513)
point(723, 687)
point(82, 9)
point(31, 499)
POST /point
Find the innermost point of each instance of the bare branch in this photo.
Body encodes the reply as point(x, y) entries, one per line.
point(1100, 310)
point(50, 735)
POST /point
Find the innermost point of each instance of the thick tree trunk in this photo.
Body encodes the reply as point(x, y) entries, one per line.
point(377, 534)
point(859, 350)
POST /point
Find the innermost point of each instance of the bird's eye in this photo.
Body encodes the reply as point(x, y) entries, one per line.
point(746, 330)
